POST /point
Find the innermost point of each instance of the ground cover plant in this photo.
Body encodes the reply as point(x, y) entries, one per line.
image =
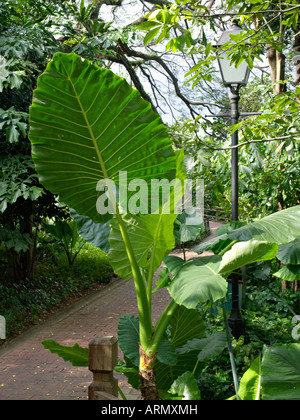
point(139, 242)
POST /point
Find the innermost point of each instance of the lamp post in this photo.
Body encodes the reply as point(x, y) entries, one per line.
point(233, 78)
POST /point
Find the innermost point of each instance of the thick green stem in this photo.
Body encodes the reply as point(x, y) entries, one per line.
point(228, 247)
point(152, 261)
point(161, 326)
point(140, 287)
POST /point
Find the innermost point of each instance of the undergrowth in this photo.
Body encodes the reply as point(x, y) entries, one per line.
point(55, 284)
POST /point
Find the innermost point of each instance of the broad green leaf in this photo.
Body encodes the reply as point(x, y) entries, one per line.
point(94, 233)
point(281, 227)
point(186, 387)
point(250, 384)
point(208, 347)
point(198, 281)
point(76, 355)
point(186, 324)
point(210, 244)
point(174, 264)
point(281, 372)
point(187, 227)
point(128, 336)
point(163, 280)
point(244, 253)
point(87, 125)
point(289, 272)
point(151, 233)
point(290, 253)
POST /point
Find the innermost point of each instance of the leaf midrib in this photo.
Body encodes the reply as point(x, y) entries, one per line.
point(98, 152)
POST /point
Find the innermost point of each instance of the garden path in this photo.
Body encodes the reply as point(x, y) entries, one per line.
point(29, 372)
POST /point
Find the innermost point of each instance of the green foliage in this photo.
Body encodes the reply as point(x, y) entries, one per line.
point(188, 227)
point(198, 281)
point(185, 325)
point(276, 377)
point(18, 180)
point(280, 372)
point(251, 382)
point(15, 240)
point(245, 253)
point(55, 283)
point(76, 355)
point(95, 131)
point(150, 233)
point(67, 234)
point(185, 387)
point(94, 233)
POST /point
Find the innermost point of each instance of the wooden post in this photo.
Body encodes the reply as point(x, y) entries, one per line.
point(103, 357)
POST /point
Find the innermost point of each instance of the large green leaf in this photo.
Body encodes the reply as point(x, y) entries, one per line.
point(186, 324)
point(76, 355)
point(280, 228)
point(289, 272)
point(188, 227)
point(250, 385)
point(208, 347)
point(198, 281)
point(86, 125)
point(290, 253)
point(149, 235)
point(94, 233)
point(186, 387)
point(281, 372)
point(174, 264)
point(244, 253)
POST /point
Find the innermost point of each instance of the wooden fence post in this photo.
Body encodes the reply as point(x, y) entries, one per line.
point(103, 357)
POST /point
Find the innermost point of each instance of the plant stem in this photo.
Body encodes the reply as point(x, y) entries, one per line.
point(183, 250)
point(232, 361)
point(140, 287)
point(122, 393)
point(161, 326)
point(151, 267)
point(228, 247)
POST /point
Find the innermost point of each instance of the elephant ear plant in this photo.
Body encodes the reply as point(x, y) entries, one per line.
point(88, 129)
point(88, 126)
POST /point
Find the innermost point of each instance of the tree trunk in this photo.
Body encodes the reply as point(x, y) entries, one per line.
point(21, 265)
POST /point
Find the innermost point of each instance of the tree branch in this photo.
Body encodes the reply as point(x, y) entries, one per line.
point(247, 142)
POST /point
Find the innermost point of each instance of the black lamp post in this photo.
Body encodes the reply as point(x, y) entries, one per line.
point(233, 78)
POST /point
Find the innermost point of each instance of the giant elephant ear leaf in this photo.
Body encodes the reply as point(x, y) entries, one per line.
point(86, 125)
